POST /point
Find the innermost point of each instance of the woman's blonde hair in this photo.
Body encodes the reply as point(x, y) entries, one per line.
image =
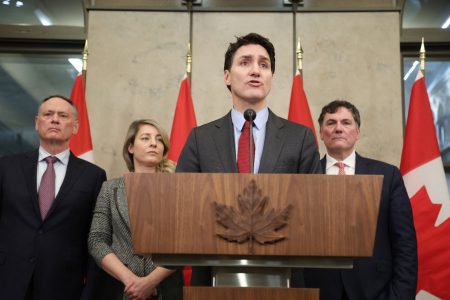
point(166, 165)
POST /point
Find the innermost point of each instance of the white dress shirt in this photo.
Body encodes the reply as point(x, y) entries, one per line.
point(349, 162)
point(60, 167)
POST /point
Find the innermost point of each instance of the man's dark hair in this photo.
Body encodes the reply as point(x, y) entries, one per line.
point(249, 39)
point(68, 100)
point(333, 107)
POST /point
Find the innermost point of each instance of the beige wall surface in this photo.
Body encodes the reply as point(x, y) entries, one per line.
point(137, 60)
point(356, 56)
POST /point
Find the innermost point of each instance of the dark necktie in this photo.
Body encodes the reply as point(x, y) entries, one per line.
point(341, 167)
point(47, 187)
point(243, 160)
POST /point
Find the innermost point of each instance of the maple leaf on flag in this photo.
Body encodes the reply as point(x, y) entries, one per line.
point(432, 246)
point(252, 221)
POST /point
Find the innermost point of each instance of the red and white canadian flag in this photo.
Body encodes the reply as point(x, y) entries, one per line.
point(81, 143)
point(298, 108)
point(183, 120)
point(424, 177)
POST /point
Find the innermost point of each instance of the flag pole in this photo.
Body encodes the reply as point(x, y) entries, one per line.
point(295, 4)
point(81, 143)
point(299, 111)
point(189, 63)
point(299, 56)
point(85, 58)
point(189, 5)
point(422, 58)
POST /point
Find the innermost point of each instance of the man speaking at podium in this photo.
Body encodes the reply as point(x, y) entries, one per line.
point(278, 146)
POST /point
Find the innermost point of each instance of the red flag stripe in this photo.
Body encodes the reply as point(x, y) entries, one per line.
point(81, 143)
point(298, 108)
point(183, 120)
point(418, 128)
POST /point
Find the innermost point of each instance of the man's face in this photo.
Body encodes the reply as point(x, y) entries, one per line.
point(56, 121)
point(339, 132)
point(250, 77)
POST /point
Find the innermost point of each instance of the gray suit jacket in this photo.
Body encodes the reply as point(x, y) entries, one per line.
point(110, 229)
point(288, 148)
point(110, 233)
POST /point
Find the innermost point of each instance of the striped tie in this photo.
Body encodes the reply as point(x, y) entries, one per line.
point(341, 167)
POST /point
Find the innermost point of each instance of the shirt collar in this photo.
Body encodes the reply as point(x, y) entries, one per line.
point(260, 121)
point(349, 161)
point(63, 157)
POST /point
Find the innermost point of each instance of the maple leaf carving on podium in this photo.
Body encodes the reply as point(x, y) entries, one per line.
point(253, 221)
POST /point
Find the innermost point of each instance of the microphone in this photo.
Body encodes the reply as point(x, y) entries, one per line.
point(250, 115)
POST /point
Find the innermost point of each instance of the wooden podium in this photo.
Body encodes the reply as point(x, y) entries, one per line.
point(326, 221)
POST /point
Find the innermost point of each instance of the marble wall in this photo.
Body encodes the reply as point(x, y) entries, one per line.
point(137, 60)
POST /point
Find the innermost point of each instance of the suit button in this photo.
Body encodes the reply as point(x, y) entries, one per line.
point(40, 231)
point(32, 260)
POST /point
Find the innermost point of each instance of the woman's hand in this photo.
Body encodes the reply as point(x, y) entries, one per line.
point(140, 288)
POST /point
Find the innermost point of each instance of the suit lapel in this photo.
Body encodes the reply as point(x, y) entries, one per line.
point(224, 140)
point(120, 201)
point(273, 143)
point(323, 164)
point(361, 165)
point(29, 169)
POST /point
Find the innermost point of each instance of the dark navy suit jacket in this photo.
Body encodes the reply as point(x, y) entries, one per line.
point(52, 254)
point(391, 273)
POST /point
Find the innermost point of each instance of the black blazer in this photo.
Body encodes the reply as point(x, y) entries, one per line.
point(288, 148)
point(391, 273)
point(52, 254)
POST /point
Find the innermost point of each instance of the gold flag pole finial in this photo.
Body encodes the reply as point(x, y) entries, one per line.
point(299, 53)
point(422, 57)
point(189, 62)
point(85, 56)
point(189, 59)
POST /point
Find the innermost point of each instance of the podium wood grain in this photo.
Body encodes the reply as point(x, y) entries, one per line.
point(226, 293)
point(333, 216)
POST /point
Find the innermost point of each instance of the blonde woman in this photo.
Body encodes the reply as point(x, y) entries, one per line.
point(136, 277)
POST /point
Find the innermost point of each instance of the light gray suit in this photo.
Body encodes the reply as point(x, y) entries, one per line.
point(110, 233)
point(288, 148)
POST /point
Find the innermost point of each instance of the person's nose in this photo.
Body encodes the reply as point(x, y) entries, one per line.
point(255, 69)
point(55, 118)
point(338, 127)
point(152, 142)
